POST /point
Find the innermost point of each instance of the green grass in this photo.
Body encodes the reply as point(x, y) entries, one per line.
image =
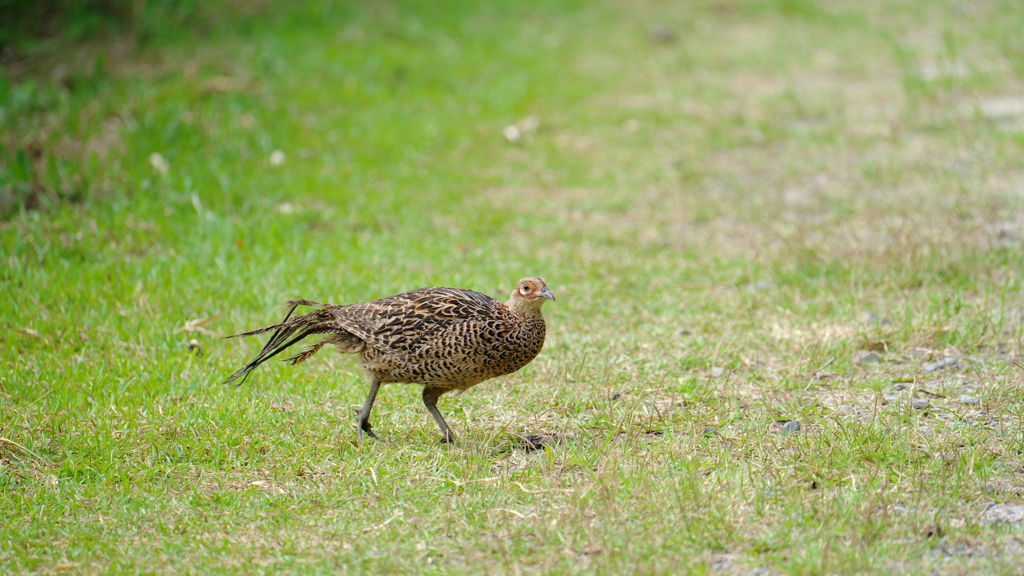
point(730, 219)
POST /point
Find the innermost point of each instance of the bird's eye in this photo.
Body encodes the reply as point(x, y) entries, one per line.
point(526, 287)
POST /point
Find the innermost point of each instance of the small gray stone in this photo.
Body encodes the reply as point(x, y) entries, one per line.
point(662, 35)
point(870, 358)
point(947, 362)
point(993, 488)
point(878, 320)
point(791, 427)
point(716, 372)
point(968, 399)
point(683, 332)
point(1003, 514)
point(889, 399)
point(919, 403)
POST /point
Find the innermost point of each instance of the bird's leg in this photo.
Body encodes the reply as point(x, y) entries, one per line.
point(430, 396)
point(363, 419)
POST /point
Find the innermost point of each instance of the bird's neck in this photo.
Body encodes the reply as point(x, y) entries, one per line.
point(523, 308)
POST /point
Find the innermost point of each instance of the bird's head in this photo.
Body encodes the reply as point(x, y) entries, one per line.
point(531, 293)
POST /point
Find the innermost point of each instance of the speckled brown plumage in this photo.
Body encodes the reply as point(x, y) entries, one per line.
point(443, 338)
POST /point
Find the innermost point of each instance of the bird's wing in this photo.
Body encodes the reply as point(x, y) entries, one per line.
point(406, 321)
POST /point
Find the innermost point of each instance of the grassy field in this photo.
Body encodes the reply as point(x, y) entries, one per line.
point(753, 213)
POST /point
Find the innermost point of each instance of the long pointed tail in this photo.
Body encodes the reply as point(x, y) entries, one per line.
point(288, 332)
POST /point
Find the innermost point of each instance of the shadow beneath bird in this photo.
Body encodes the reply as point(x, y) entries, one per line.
point(533, 442)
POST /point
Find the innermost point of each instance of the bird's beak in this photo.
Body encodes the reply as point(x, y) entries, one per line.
point(547, 293)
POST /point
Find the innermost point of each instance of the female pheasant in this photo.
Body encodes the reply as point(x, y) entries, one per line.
point(443, 338)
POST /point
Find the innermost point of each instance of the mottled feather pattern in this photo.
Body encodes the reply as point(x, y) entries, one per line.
point(442, 338)
point(408, 321)
point(426, 326)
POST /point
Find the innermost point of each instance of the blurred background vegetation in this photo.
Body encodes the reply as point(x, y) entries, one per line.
point(26, 23)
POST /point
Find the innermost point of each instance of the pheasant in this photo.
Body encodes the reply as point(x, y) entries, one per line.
point(442, 338)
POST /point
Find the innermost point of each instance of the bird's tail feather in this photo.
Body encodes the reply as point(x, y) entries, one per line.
point(309, 351)
point(288, 332)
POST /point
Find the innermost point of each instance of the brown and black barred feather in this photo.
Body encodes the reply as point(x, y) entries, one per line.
point(442, 338)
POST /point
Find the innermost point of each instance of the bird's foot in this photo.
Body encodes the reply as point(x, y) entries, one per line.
point(364, 427)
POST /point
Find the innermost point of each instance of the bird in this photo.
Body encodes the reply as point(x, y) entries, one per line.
point(445, 339)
